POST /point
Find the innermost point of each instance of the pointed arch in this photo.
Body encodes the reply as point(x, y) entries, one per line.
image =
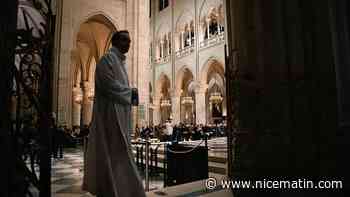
point(212, 63)
point(162, 80)
point(181, 75)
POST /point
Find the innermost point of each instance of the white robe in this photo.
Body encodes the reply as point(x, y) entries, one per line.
point(110, 170)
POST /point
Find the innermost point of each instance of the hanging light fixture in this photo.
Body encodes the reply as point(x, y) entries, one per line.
point(165, 103)
point(187, 100)
point(215, 97)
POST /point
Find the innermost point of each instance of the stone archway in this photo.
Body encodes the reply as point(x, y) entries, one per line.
point(215, 95)
point(215, 99)
point(162, 99)
point(92, 41)
point(185, 90)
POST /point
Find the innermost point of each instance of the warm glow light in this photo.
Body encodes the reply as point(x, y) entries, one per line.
point(165, 103)
point(215, 98)
point(187, 100)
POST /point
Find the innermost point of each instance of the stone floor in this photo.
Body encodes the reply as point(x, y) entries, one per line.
point(67, 176)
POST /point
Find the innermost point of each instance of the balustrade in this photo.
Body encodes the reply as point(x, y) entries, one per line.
point(185, 51)
point(213, 40)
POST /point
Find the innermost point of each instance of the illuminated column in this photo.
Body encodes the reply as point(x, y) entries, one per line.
point(200, 103)
point(77, 100)
point(156, 111)
point(175, 106)
point(182, 40)
point(87, 103)
point(168, 46)
point(208, 30)
point(200, 37)
point(161, 49)
point(219, 29)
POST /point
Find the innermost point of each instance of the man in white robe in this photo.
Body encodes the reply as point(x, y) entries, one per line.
point(110, 170)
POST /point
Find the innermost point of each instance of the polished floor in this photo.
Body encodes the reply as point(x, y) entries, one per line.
point(67, 176)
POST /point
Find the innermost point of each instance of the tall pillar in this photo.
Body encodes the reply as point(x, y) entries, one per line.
point(201, 32)
point(175, 106)
point(168, 46)
point(156, 111)
point(77, 101)
point(208, 30)
point(87, 103)
point(219, 27)
point(161, 49)
point(200, 104)
point(182, 45)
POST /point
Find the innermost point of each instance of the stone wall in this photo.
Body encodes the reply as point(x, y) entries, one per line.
point(131, 15)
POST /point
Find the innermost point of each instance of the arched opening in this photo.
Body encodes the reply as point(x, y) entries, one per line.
point(161, 101)
point(212, 22)
point(215, 95)
point(165, 99)
point(187, 97)
point(93, 39)
point(184, 31)
point(216, 99)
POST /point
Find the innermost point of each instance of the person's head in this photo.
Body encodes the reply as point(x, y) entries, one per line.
point(121, 40)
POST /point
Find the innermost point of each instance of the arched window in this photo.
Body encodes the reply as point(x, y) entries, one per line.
point(213, 24)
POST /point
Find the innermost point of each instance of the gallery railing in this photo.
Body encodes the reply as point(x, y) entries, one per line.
point(212, 40)
point(162, 60)
point(185, 51)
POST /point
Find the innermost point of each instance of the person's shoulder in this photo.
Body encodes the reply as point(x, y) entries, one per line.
point(107, 57)
point(105, 61)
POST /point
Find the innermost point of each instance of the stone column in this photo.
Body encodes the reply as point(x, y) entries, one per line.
point(77, 101)
point(208, 30)
point(182, 45)
point(87, 103)
point(168, 46)
point(156, 110)
point(175, 106)
point(161, 49)
point(201, 32)
point(219, 27)
point(200, 104)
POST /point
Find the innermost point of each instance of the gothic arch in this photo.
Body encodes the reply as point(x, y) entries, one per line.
point(92, 39)
point(185, 17)
point(163, 78)
point(207, 5)
point(103, 16)
point(211, 63)
point(180, 76)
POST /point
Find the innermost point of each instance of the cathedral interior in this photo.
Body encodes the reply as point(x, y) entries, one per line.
point(244, 90)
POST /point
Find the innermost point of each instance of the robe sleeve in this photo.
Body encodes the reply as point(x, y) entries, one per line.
point(107, 86)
